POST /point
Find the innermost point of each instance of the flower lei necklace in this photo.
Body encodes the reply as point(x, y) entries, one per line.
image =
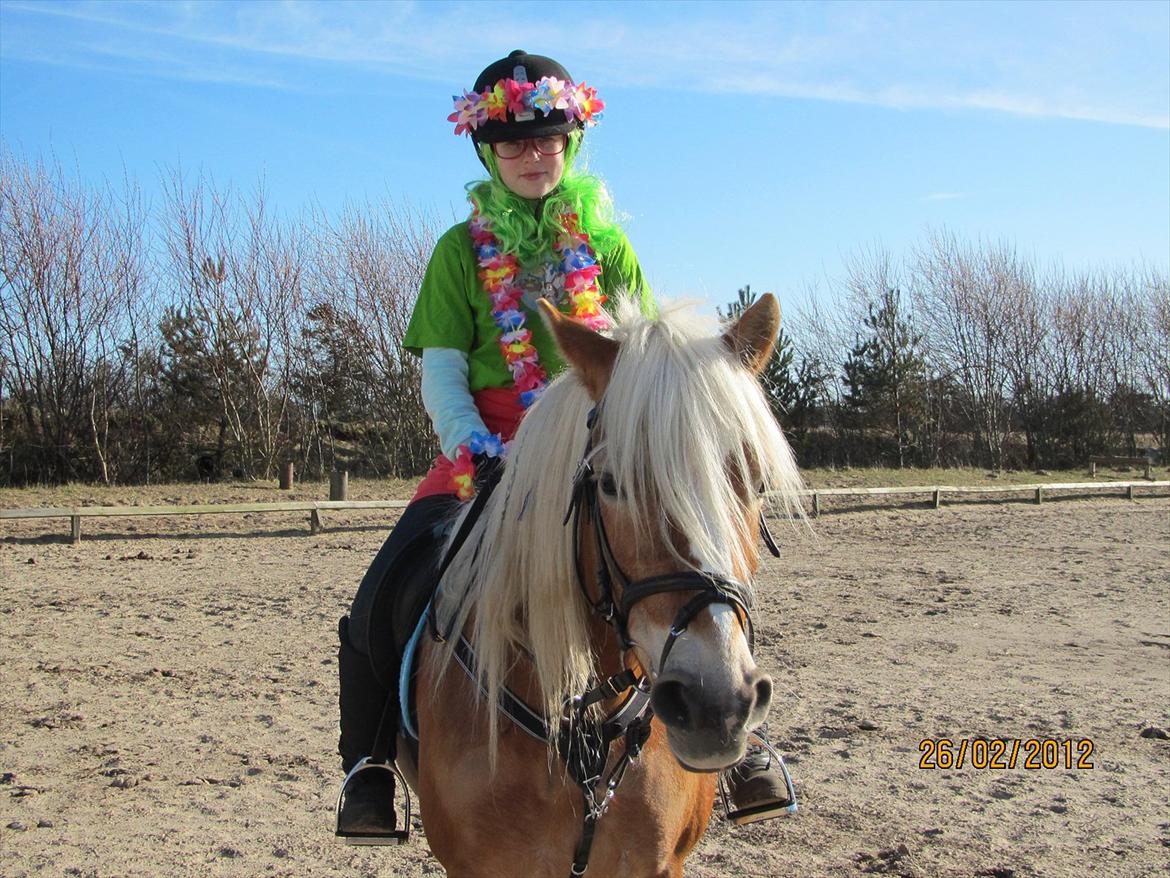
point(498, 272)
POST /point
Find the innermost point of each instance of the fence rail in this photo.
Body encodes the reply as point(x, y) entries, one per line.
point(313, 507)
point(936, 492)
point(316, 507)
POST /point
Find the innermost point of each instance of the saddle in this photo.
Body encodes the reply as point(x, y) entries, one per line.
point(416, 580)
point(410, 584)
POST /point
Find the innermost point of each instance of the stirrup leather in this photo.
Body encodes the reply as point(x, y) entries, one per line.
point(740, 817)
point(398, 836)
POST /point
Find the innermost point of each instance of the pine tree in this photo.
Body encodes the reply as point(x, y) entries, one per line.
point(206, 360)
point(884, 375)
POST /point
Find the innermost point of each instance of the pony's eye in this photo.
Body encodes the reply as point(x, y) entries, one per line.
point(607, 484)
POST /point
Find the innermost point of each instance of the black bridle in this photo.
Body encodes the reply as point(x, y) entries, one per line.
point(710, 588)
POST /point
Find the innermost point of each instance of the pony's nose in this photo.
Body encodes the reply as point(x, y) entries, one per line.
point(682, 703)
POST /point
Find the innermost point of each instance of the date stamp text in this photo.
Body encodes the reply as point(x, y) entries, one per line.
point(998, 754)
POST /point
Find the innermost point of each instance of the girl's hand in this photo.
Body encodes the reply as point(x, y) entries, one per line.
point(475, 462)
point(487, 444)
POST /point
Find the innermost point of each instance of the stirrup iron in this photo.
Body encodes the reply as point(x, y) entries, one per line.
point(398, 836)
point(789, 790)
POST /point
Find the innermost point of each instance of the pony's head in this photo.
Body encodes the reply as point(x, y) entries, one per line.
point(680, 447)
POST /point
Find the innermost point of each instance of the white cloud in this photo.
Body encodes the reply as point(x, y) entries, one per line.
point(1105, 63)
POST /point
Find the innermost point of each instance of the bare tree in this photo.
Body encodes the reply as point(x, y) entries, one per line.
point(963, 297)
point(368, 268)
point(1026, 330)
point(1081, 363)
point(70, 278)
point(1148, 304)
point(238, 275)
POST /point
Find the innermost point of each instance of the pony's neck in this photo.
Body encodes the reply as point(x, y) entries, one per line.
point(609, 660)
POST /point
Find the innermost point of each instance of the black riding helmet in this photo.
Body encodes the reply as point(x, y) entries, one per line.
point(521, 66)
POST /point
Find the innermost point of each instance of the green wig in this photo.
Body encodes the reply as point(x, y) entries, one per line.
point(531, 234)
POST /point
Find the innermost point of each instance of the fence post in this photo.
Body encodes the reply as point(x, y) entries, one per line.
point(1129, 492)
point(314, 521)
point(1149, 469)
point(1039, 496)
point(286, 477)
point(75, 528)
point(1092, 467)
point(339, 485)
point(937, 498)
point(816, 505)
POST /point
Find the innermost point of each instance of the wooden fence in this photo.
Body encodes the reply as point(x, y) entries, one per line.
point(1143, 463)
point(313, 507)
point(316, 507)
point(936, 492)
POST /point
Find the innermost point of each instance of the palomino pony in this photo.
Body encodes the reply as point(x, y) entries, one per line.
point(659, 441)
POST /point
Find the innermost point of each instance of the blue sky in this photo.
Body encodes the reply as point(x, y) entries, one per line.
point(757, 143)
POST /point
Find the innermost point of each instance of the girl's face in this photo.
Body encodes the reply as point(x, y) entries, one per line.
point(533, 173)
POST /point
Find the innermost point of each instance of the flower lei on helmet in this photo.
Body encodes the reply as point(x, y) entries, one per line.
point(498, 272)
point(577, 100)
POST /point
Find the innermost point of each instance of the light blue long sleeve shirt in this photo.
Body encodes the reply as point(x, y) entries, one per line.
point(447, 398)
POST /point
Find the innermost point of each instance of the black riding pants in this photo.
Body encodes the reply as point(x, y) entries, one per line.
point(367, 661)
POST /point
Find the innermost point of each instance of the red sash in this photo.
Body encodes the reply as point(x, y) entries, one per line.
point(501, 411)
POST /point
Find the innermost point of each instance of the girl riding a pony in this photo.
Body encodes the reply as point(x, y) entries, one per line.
point(538, 229)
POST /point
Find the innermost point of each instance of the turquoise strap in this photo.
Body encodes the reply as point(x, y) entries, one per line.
point(405, 671)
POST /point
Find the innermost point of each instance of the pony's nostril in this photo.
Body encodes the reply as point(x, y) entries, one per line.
point(764, 693)
point(669, 701)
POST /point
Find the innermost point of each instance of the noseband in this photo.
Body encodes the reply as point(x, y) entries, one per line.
point(710, 588)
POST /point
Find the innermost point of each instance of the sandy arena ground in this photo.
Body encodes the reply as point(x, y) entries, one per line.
point(168, 692)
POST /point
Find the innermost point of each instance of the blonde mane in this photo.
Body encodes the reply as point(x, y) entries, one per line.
point(679, 414)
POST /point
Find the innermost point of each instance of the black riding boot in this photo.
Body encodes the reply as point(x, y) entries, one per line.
point(366, 807)
point(362, 699)
point(758, 787)
point(367, 665)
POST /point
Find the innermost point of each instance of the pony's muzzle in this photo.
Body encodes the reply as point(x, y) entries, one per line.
point(707, 726)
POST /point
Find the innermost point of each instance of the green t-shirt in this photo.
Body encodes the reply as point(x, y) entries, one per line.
point(453, 311)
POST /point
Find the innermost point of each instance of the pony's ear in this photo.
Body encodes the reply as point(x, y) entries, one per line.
point(589, 352)
point(753, 336)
